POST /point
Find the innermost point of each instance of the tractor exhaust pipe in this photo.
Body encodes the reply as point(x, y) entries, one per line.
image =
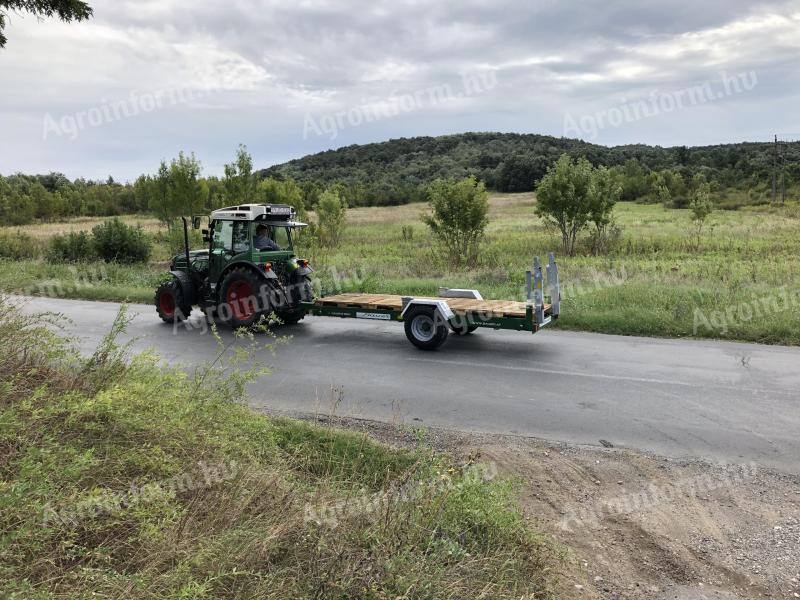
point(186, 242)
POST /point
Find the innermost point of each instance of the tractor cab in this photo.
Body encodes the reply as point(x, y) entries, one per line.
point(233, 233)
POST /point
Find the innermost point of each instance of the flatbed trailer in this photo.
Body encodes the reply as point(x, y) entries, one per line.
point(429, 320)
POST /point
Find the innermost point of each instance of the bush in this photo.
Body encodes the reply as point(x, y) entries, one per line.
point(114, 241)
point(459, 215)
point(71, 247)
point(18, 246)
point(701, 207)
point(331, 218)
point(573, 195)
point(173, 239)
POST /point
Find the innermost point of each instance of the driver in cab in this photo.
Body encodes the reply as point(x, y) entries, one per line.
point(263, 241)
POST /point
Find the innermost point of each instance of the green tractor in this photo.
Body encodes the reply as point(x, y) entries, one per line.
point(249, 270)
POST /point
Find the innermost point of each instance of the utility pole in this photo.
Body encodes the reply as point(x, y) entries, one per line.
point(783, 174)
point(775, 172)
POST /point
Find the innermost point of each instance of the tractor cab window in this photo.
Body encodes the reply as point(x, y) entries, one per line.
point(231, 237)
point(282, 237)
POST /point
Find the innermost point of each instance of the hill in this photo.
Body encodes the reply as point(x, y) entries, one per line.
point(396, 171)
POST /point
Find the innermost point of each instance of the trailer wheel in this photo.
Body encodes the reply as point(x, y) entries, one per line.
point(170, 304)
point(425, 328)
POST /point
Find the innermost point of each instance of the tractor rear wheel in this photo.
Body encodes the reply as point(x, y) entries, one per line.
point(170, 304)
point(244, 298)
point(425, 328)
point(303, 291)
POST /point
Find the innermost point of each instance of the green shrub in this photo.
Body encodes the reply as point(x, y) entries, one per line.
point(331, 218)
point(173, 239)
point(18, 246)
point(71, 247)
point(572, 196)
point(114, 241)
point(458, 218)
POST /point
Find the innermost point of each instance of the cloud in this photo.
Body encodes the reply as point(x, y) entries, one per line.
point(272, 63)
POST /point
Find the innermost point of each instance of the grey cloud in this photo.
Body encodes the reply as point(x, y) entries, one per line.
point(272, 61)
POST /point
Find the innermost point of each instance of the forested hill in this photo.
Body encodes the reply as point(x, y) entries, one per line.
point(396, 171)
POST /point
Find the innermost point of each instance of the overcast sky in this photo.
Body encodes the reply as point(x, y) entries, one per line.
point(143, 80)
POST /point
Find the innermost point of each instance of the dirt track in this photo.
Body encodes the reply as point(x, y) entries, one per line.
point(645, 527)
point(642, 526)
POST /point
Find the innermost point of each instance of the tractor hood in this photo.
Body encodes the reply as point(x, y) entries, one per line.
point(195, 256)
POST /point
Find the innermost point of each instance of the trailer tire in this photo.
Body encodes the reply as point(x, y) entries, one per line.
point(170, 304)
point(425, 327)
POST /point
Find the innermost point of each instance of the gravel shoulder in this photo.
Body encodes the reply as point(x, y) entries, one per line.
point(637, 525)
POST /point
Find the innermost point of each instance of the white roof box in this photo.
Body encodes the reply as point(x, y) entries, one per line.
point(252, 212)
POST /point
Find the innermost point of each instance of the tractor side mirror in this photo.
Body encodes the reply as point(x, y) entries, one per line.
point(196, 222)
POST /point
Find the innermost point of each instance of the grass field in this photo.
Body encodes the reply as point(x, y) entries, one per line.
point(743, 282)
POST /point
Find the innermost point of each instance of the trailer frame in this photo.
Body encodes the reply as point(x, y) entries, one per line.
point(452, 306)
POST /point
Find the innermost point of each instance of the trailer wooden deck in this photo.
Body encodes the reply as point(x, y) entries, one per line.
point(498, 308)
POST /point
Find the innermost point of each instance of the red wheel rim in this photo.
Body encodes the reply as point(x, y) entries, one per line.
point(241, 300)
point(166, 302)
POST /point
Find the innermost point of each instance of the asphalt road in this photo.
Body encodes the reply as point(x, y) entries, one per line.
point(716, 400)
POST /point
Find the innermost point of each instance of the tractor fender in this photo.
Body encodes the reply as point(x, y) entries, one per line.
point(187, 286)
point(301, 271)
point(265, 275)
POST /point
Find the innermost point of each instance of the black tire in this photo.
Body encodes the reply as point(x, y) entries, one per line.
point(170, 305)
point(425, 328)
point(302, 291)
point(244, 298)
point(463, 329)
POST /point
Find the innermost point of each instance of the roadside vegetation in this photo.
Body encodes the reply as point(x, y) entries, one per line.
point(120, 479)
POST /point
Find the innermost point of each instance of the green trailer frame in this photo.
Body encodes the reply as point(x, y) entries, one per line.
point(538, 312)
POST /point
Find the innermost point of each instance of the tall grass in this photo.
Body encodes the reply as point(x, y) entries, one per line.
point(118, 479)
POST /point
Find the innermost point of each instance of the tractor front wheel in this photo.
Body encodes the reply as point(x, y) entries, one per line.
point(425, 328)
point(170, 304)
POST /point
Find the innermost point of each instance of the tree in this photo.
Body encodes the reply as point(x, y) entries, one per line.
point(159, 195)
point(272, 191)
point(701, 207)
point(519, 173)
point(604, 193)
point(458, 217)
point(185, 192)
point(564, 198)
point(240, 181)
point(66, 10)
point(331, 218)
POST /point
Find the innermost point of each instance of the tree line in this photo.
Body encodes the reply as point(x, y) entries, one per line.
point(400, 171)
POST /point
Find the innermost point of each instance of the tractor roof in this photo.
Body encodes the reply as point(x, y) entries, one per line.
point(255, 212)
